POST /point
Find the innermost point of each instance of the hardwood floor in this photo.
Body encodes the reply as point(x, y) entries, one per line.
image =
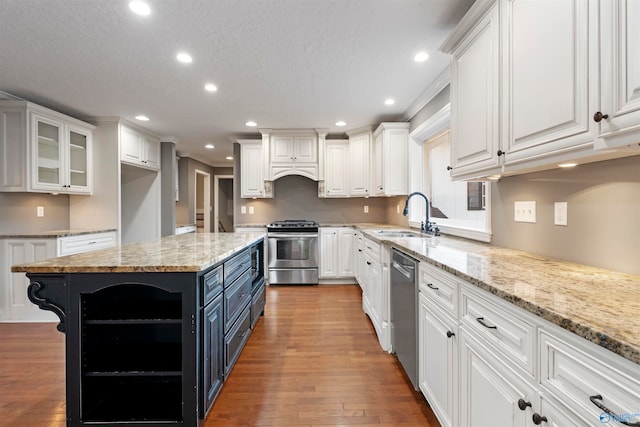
point(312, 360)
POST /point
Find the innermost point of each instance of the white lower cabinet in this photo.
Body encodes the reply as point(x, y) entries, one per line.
point(438, 364)
point(486, 362)
point(489, 390)
point(373, 274)
point(336, 252)
point(14, 303)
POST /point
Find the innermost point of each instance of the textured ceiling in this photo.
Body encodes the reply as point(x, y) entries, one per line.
point(282, 63)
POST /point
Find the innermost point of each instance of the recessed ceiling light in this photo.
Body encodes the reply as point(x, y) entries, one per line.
point(341, 123)
point(421, 57)
point(568, 165)
point(389, 101)
point(140, 7)
point(142, 118)
point(229, 157)
point(251, 124)
point(209, 146)
point(183, 57)
point(210, 87)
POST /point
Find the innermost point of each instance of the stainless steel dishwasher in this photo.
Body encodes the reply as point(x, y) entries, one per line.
point(404, 313)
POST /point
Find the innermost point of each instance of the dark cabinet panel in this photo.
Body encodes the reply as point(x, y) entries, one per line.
point(212, 354)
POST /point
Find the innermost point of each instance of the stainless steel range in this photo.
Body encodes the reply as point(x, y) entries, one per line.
point(293, 252)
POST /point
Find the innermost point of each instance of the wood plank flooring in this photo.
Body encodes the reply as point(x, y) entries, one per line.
point(312, 360)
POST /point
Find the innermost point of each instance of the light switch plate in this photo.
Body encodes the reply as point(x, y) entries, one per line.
point(366, 209)
point(243, 209)
point(560, 213)
point(525, 211)
point(251, 210)
point(40, 211)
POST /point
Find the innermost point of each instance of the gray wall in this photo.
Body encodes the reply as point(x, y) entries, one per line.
point(603, 214)
point(18, 212)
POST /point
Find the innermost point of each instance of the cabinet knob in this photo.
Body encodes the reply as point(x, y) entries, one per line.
point(501, 153)
point(597, 117)
point(522, 404)
point(450, 334)
point(538, 419)
point(449, 168)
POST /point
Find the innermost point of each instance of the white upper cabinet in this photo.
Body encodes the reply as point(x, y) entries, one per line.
point(535, 83)
point(139, 149)
point(390, 148)
point(475, 80)
point(290, 152)
point(359, 164)
point(619, 74)
point(252, 179)
point(336, 182)
point(546, 78)
point(44, 151)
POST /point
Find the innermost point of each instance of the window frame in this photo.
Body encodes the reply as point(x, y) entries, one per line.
point(423, 132)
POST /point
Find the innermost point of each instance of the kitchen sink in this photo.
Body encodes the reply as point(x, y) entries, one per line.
point(396, 233)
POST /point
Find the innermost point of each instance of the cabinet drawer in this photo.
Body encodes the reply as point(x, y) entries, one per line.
point(578, 377)
point(498, 324)
point(236, 298)
point(70, 245)
point(439, 287)
point(235, 266)
point(372, 249)
point(258, 301)
point(235, 339)
point(212, 284)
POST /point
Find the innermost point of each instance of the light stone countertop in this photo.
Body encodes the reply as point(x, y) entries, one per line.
point(602, 306)
point(52, 234)
point(190, 252)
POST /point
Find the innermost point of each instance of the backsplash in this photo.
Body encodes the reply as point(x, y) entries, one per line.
point(296, 197)
point(603, 214)
point(18, 212)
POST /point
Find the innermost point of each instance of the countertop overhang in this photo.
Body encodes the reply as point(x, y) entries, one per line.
point(191, 252)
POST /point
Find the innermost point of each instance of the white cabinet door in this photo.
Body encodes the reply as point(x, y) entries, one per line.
point(545, 79)
point(78, 159)
point(14, 303)
point(619, 73)
point(48, 153)
point(252, 182)
point(282, 149)
point(438, 361)
point(130, 146)
point(390, 148)
point(305, 149)
point(151, 148)
point(359, 164)
point(139, 149)
point(475, 103)
point(328, 252)
point(345, 252)
point(336, 175)
point(490, 392)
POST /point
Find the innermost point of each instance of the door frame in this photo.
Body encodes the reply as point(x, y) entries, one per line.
point(216, 207)
point(207, 199)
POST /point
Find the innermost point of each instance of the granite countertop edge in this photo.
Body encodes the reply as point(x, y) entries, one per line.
point(54, 233)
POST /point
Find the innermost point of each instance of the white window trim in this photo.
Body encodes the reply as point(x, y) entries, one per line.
point(426, 130)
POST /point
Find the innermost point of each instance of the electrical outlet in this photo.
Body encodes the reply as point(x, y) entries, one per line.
point(243, 209)
point(524, 211)
point(560, 213)
point(40, 211)
point(398, 208)
point(251, 210)
point(366, 209)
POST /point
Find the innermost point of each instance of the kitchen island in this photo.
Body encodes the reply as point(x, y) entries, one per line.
point(152, 329)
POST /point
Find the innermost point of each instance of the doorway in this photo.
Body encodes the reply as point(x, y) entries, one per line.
point(202, 202)
point(223, 203)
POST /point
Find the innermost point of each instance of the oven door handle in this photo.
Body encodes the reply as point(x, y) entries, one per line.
point(293, 236)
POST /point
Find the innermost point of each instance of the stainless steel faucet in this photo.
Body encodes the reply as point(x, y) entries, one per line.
point(425, 226)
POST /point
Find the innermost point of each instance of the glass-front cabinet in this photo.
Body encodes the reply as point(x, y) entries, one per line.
point(43, 151)
point(60, 156)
